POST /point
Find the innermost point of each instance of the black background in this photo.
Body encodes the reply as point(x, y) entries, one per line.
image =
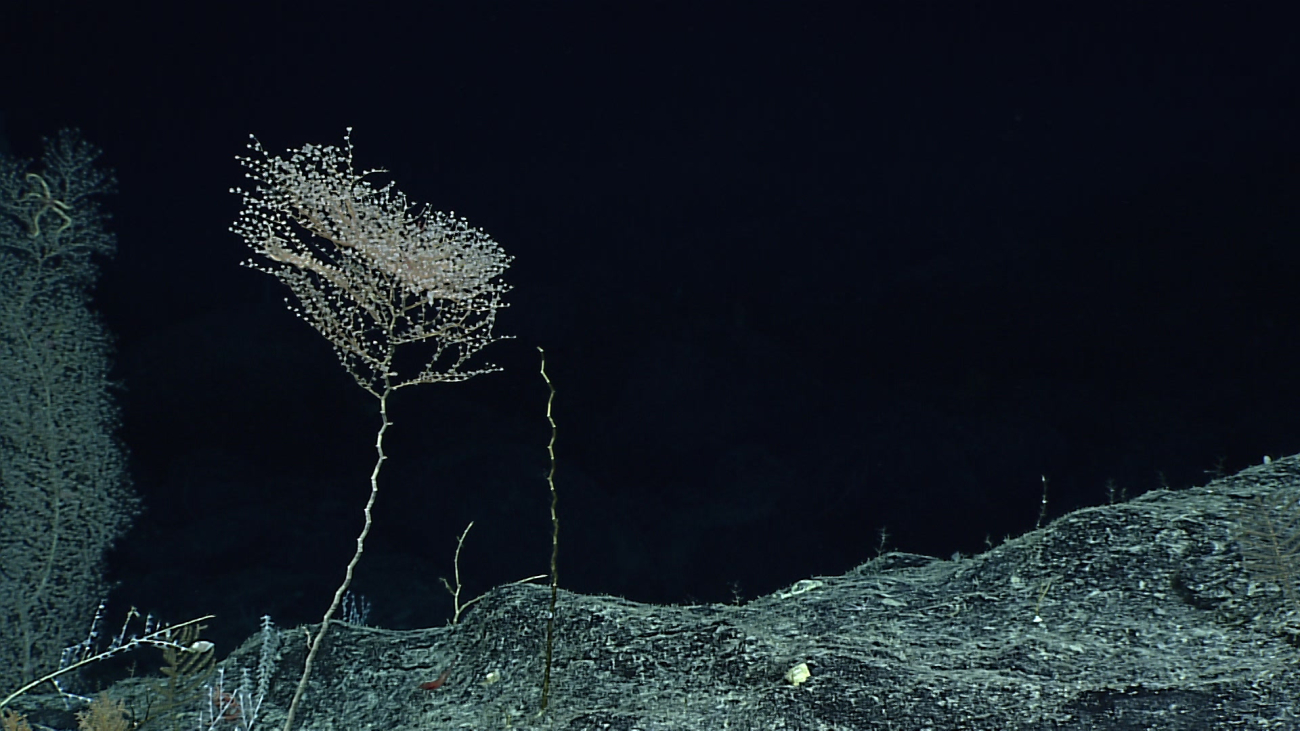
point(802, 272)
